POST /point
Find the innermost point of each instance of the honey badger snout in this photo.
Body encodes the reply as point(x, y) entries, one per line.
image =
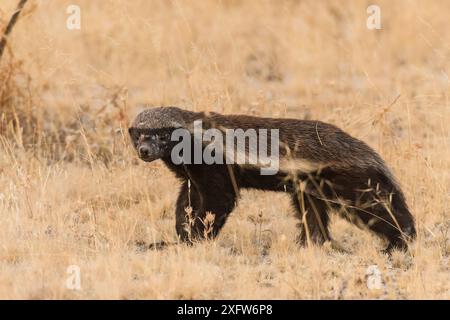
point(144, 151)
point(149, 150)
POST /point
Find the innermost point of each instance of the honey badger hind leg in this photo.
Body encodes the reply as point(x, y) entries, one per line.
point(398, 226)
point(314, 219)
point(207, 194)
point(375, 201)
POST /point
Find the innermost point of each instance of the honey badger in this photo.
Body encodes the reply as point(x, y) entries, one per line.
point(322, 168)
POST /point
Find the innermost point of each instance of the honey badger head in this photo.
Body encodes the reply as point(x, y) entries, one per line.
point(151, 131)
point(151, 144)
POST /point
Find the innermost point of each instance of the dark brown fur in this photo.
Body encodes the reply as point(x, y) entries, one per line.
point(344, 175)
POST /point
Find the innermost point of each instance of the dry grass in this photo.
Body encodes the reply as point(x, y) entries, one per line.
point(73, 193)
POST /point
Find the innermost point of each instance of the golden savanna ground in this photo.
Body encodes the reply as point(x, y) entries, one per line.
point(72, 191)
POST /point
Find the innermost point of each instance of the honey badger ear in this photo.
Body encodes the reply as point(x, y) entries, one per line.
point(131, 131)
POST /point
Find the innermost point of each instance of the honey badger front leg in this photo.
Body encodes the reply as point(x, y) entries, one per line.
point(187, 209)
point(206, 190)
